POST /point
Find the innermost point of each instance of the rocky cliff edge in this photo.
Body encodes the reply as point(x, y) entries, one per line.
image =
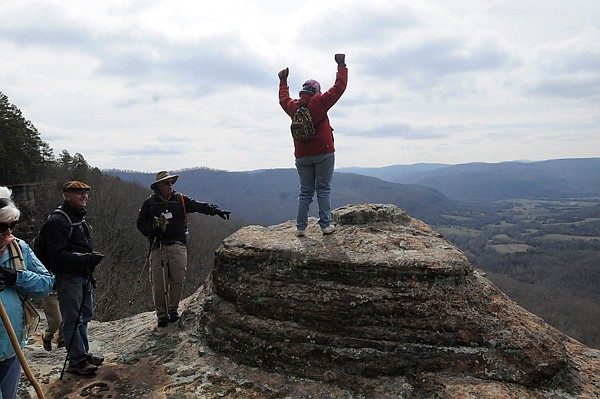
point(383, 308)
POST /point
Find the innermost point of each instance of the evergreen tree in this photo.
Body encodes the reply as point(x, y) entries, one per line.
point(24, 157)
point(74, 167)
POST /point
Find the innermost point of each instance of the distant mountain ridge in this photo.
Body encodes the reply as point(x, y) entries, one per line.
point(395, 173)
point(269, 196)
point(479, 181)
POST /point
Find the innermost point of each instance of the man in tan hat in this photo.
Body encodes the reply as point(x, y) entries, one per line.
point(163, 220)
point(67, 242)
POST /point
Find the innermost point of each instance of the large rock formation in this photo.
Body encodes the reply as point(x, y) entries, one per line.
point(383, 296)
point(383, 308)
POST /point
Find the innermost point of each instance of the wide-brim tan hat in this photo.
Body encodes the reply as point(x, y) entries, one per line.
point(162, 176)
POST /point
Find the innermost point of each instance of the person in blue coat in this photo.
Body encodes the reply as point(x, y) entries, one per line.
point(34, 281)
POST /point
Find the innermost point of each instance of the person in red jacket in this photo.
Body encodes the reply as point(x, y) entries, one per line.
point(315, 158)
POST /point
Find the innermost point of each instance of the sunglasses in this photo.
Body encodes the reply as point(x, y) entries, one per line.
point(6, 226)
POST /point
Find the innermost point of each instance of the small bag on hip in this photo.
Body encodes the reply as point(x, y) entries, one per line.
point(31, 315)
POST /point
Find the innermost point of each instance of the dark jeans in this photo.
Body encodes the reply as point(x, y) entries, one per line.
point(10, 371)
point(75, 292)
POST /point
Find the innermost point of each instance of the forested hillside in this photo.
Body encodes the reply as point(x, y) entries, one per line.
point(544, 254)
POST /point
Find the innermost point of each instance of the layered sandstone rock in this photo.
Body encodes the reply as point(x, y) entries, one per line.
point(384, 295)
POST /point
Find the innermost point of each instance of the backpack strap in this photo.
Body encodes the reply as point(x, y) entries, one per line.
point(303, 104)
point(16, 256)
point(31, 318)
point(71, 224)
point(184, 210)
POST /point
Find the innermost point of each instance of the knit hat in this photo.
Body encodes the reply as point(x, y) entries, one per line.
point(162, 176)
point(75, 185)
point(311, 87)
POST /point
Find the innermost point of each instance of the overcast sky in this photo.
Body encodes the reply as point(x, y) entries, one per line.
point(148, 85)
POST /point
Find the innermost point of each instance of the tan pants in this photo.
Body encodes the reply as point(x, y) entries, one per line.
point(169, 261)
point(53, 319)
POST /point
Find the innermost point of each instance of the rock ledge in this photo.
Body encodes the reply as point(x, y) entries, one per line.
point(385, 295)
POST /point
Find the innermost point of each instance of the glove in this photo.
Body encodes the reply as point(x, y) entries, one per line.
point(340, 59)
point(160, 222)
point(223, 214)
point(214, 210)
point(94, 258)
point(8, 277)
point(283, 74)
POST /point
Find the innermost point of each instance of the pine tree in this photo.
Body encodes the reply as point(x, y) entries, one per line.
point(24, 157)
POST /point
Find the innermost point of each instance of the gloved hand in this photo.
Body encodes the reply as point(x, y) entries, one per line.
point(94, 258)
point(160, 222)
point(223, 214)
point(340, 59)
point(8, 277)
point(283, 74)
point(92, 261)
point(216, 211)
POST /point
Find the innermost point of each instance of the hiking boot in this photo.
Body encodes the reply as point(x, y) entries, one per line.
point(328, 230)
point(47, 343)
point(299, 233)
point(94, 360)
point(163, 321)
point(82, 368)
point(60, 343)
point(173, 318)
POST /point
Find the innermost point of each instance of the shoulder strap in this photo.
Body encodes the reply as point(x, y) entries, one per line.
point(16, 256)
point(71, 224)
point(184, 210)
point(31, 317)
point(305, 105)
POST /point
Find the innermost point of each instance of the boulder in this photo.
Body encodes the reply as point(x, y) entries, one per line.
point(385, 295)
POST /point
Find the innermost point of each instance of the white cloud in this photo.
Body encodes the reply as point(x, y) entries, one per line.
point(569, 68)
point(144, 84)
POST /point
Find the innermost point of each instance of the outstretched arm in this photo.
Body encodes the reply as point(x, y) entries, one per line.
point(203, 207)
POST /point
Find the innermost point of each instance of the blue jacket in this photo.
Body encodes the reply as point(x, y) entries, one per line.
point(34, 282)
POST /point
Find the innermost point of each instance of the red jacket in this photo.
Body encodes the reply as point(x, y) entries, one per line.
point(318, 105)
